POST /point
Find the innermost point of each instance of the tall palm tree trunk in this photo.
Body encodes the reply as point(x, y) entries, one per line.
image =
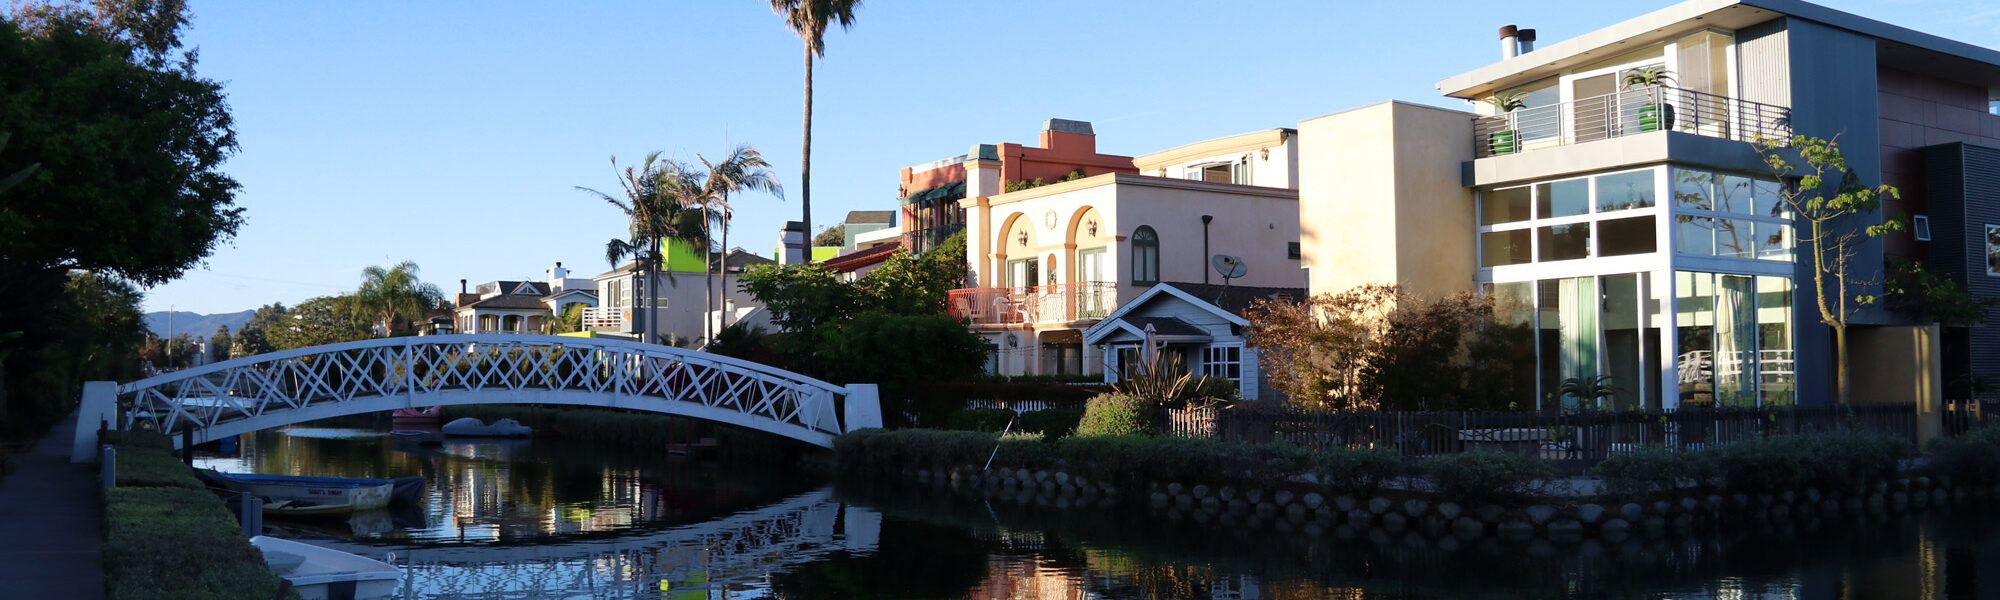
point(805, 158)
point(707, 272)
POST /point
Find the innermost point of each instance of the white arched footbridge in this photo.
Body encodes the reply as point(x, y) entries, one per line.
point(280, 388)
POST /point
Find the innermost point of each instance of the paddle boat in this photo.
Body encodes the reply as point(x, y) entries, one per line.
point(471, 427)
point(322, 573)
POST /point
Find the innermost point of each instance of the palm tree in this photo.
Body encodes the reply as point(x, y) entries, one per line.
point(655, 205)
point(394, 295)
point(808, 19)
point(743, 169)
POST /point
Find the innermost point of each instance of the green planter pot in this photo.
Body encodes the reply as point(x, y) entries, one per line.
point(1501, 142)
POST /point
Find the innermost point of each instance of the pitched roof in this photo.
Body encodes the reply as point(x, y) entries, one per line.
point(538, 290)
point(884, 217)
point(1169, 326)
point(1237, 298)
point(850, 262)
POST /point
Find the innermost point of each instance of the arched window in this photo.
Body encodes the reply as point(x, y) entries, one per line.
point(1145, 256)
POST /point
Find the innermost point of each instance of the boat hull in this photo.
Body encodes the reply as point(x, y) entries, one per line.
point(303, 493)
point(321, 573)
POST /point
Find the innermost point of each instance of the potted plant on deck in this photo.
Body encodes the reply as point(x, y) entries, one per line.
point(1504, 105)
point(1654, 115)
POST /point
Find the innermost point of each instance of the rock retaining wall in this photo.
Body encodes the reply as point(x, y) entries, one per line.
point(1296, 508)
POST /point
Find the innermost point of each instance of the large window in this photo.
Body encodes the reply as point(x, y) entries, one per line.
point(1145, 256)
point(1731, 216)
point(1612, 214)
point(1225, 361)
point(1735, 339)
point(1222, 172)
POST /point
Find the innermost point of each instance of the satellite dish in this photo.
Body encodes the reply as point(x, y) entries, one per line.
point(1229, 266)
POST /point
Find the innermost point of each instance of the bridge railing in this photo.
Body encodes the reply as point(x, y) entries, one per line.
point(265, 390)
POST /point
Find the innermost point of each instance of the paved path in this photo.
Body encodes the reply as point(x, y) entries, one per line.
point(51, 519)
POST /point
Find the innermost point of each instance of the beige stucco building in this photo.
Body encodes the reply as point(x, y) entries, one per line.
point(1045, 263)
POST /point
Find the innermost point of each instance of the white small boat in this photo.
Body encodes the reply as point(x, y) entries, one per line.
point(471, 427)
point(314, 496)
point(322, 573)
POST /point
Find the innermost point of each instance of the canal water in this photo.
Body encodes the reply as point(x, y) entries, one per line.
point(553, 519)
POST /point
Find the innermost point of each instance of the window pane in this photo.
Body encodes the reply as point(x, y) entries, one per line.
point(1735, 238)
point(1549, 342)
point(1624, 191)
point(1505, 248)
point(1564, 242)
point(1562, 198)
point(1736, 341)
point(1767, 199)
point(1775, 361)
point(1619, 237)
point(1694, 326)
point(1513, 335)
point(1621, 338)
point(1694, 235)
point(1774, 241)
point(1691, 189)
point(1734, 194)
point(1505, 205)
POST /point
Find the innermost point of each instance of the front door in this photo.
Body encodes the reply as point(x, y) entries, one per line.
point(1092, 301)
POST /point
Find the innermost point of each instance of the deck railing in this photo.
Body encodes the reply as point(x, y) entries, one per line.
point(601, 318)
point(1627, 113)
point(1058, 303)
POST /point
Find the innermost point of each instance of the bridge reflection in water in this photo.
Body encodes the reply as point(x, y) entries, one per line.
point(703, 560)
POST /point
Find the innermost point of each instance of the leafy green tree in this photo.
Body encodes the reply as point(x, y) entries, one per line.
point(809, 19)
point(832, 236)
point(894, 351)
point(249, 341)
point(394, 295)
point(908, 285)
point(743, 169)
point(1835, 230)
point(112, 167)
point(1922, 293)
point(800, 297)
point(218, 344)
point(318, 321)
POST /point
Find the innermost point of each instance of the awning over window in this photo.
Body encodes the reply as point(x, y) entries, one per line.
point(949, 191)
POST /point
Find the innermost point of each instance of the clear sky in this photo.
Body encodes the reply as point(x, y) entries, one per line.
point(453, 134)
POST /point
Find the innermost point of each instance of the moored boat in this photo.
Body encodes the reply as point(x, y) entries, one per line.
point(410, 418)
point(320, 573)
point(317, 496)
point(471, 427)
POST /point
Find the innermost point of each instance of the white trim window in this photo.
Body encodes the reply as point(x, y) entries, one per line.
point(1223, 360)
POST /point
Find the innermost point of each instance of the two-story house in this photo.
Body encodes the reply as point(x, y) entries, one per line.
point(931, 192)
point(1634, 229)
point(1046, 263)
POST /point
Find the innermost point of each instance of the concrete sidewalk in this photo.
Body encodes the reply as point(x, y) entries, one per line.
point(51, 522)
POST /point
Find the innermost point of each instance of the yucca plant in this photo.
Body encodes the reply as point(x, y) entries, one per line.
point(1646, 77)
point(1161, 379)
point(1652, 115)
point(1504, 104)
point(1589, 391)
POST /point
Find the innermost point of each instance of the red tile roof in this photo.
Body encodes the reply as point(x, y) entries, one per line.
point(848, 263)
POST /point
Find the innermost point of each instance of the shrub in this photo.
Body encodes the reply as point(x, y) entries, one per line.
point(1022, 451)
point(1358, 471)
point(168, 542)
point(981, 419)
point(1829, 461)
point(1648, 471)
point(1215, 388)
point(1116, 414)
point(1485, 476)
point(152, 467)
point(1052, 423)
point(1972, 458)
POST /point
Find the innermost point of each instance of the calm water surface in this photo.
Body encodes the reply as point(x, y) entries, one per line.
point(549, 519)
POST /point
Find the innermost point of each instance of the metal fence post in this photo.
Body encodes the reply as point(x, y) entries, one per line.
point(107, 469)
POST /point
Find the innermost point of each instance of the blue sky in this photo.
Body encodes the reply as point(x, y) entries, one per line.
point(453, 134)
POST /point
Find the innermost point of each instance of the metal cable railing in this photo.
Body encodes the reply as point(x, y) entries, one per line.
point(1629, 112)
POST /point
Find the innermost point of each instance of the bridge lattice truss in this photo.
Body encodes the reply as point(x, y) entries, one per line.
point(268, 390)
point(725, 552)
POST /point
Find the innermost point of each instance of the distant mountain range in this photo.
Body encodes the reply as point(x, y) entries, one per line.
point(196, 325)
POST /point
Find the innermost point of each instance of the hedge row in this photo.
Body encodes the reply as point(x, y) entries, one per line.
point(1845, 462)
point(168, 538)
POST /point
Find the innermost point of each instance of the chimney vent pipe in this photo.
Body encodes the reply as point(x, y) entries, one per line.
point(1510, 46)
point(461, 286)
point(1527, 37)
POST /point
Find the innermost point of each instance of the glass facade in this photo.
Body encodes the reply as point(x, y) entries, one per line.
point(1671, 284)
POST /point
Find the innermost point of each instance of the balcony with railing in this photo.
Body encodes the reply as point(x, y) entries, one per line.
point(1629, 112)
point(1058, 303)
point(604, 318)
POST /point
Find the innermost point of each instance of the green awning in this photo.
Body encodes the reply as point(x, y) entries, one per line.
point(949, 191)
